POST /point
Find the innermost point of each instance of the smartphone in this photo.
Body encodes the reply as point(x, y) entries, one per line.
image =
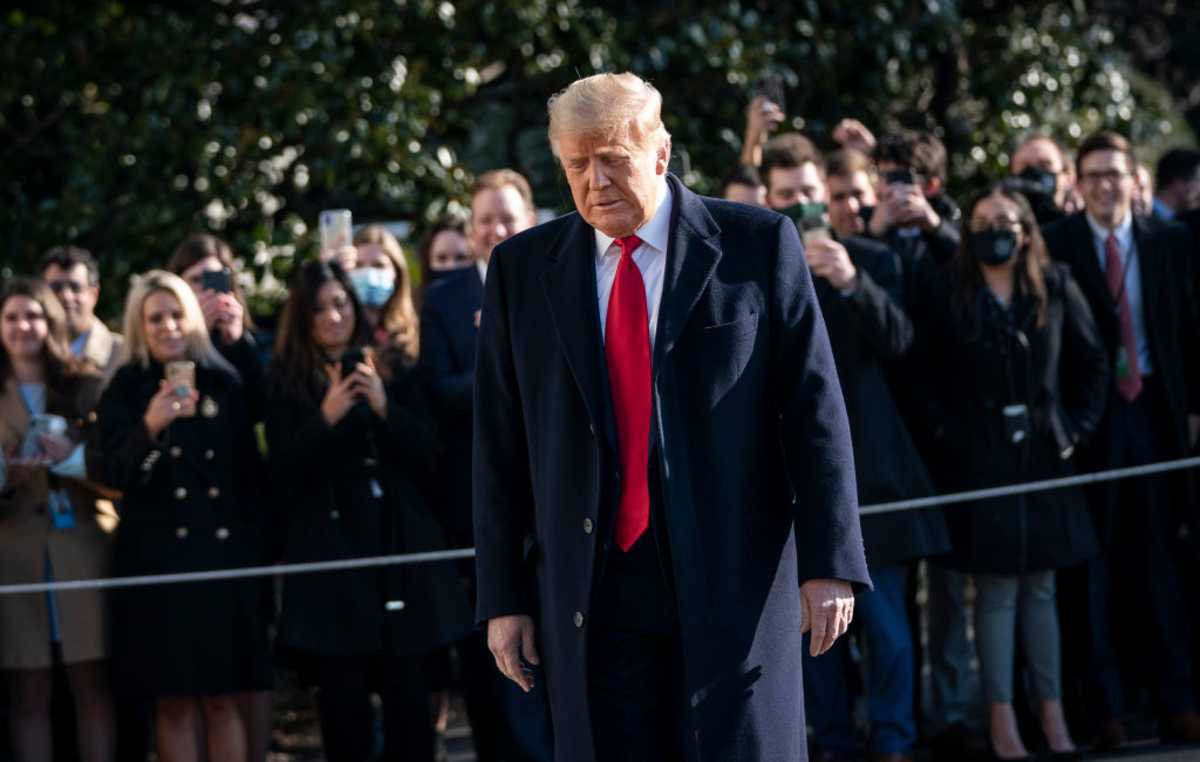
point(903, 176)
point(350, 360)
point(181, 377)
point(40, 425)
point(770, 87)
point(217, 280)
point(336, 230)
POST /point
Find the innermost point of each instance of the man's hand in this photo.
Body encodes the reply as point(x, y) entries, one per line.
point(827, 608)
point(509, 639)
point(828, 259)
point(851, 133)
point(762, 116)
point(916, 211)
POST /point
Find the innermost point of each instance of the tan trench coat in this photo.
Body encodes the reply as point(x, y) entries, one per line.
point(27, 536)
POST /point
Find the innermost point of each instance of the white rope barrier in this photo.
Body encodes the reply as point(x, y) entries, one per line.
point(454, 555)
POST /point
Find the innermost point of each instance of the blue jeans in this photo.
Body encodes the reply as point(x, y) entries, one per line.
point(889, 684)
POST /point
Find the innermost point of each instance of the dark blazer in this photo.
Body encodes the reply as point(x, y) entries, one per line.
point(1166, 260)
point(742, 365)
point(351, 491)
point(1059, 371)
point(448, 337)
point(189, 502)
point(867, 329)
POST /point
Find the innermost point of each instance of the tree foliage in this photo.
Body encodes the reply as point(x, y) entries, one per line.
point(125, 126)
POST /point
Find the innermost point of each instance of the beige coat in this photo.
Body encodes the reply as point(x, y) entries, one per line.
point(103, 349)
point(27, 536)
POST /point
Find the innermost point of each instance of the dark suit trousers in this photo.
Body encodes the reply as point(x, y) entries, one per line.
point(1137, 610)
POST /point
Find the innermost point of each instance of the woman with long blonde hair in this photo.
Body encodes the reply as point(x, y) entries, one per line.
point(178, 442)
point(383, 285)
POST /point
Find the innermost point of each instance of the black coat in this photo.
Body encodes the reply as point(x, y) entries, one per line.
point(1165, 253)
point(867, 329)
point(448, 336)
point(742, 365)
point(352, 491)
point(989, 358)
point(189, 503)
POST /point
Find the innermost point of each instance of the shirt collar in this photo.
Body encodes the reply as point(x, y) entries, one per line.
point(1123, 231)
point(482, 267)
point(654, 233)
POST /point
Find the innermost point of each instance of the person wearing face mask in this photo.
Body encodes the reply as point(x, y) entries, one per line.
point(443, 251)
point(1042, 172)
point(383, 285)
point(1019, 381)
point(184, 456)
point(351, 441)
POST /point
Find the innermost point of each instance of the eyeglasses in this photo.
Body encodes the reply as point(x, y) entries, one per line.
point(1111, 175)
point(59, 286)
point(996, 223)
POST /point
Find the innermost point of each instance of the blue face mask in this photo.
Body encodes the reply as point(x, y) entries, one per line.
point(372, 285)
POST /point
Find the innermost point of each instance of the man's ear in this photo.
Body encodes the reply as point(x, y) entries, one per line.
point(662, 158)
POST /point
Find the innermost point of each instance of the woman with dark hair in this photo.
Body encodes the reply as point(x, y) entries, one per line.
point(350, 439)
point(53, 526)
point(383, 285)
point(178, 442)
point(444, 250)
point(1020, 381)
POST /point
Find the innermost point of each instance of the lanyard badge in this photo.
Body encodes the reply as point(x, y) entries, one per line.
point(1121, 366)
point(62, 512)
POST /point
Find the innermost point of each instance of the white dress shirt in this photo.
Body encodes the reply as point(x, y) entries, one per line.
point(650, 258)
point(1127, 248)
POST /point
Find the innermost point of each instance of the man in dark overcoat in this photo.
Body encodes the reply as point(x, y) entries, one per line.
point(663, 479)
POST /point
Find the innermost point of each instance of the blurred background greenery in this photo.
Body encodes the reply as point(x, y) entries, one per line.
point(125, 126)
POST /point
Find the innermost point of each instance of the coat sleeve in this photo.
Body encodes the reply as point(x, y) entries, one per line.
point(943, 242)
point(409, 430)
point(503, 492)
point(298, 438)
point(129, 455)
point(877, 315)
point(815, 432)
point(451, 387)
point(1087, 372)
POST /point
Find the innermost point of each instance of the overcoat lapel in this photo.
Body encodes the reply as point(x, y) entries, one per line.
point(570, 285)
point(1086, 266)
point(692, 256)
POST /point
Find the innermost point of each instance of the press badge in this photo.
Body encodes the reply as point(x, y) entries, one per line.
point(62, 512)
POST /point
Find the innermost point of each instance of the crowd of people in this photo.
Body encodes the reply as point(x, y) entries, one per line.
point(1049, 326)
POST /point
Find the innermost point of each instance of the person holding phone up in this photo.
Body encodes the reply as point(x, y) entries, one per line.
point(350, 439)
point(177, 441)
point(1017, 380)
point(53, 526)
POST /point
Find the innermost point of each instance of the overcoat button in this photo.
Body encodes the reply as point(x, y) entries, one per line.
point(181, 533)
point(214, 492)
point(587, 526)
point(335, 514)
point(222, 533)
point(209, 454)
point(180, 493)
point(176, 451)
point(578, 619)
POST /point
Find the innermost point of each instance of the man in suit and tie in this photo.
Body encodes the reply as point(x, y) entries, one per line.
point(664, 484)
point(501, 206)
point(74, 276)
point(1135, 272)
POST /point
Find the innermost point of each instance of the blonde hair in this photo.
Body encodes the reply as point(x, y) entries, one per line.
point(398, 317)
point(621, 107)
point(199, 347)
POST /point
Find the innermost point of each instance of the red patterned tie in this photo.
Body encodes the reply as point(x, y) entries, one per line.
point(627, 349)
point(1129, 372)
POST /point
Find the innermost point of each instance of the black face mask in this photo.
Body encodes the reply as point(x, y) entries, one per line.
point(436, 275)
point(992, 247)
point(1040, 181)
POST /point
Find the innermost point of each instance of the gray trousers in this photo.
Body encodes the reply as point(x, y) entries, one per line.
point(1002, 601)
point(950, 652)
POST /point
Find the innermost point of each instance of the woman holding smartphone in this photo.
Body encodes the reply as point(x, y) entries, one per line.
point(383, 285)
point(349, 440)
point(177, 442)
point(1019, 380)
point(53, 526)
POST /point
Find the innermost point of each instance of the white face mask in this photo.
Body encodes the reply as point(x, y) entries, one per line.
point(373, 285)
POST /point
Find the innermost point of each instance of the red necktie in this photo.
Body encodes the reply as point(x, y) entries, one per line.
point(1129, 372)
point(627, 349)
